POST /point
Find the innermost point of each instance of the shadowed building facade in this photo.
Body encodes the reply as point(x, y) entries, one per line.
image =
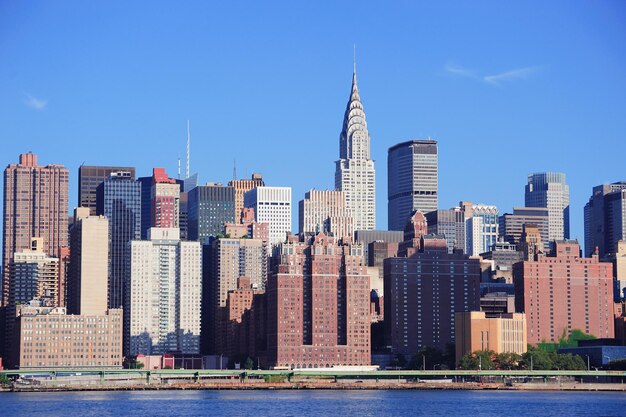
point(318, 303)
point(412, 179)
point(424, 287)
point(89, 178)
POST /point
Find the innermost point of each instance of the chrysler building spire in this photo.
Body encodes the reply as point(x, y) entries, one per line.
point(354, 173)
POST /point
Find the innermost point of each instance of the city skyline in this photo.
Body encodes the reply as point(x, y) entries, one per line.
point(538, 102)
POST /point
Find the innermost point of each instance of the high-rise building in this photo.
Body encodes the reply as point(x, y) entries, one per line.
point(271, 205)
point(164, 289)
point(511, 225)
point(210, 206)
point(145, 184)
point(481, 228)
point(424, 289)
point(605, 219)
point(89, 264)
point(549, 190)
point(164, 200)
point(226, 260)
point(619, 270)
point(35, 205)
point(563, 292)
point(242, 187)
point(502, 256)
point(119, 200)
point(89, 178)
point(325, 211)
point(354, 172)
point(318, 305)
point(34, 276)
point(450, 224)
point(412, 178)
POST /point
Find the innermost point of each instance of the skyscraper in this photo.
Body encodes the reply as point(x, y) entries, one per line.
point(243, 186)
point(34, 277)
point(511, 225)
point(226, 260)
point(210, 206)
point(549, 190)
point(412, 179)
point(164, 200)
point(354, 172)
point(325, 211)
point(450, 224)
point(481, 228)
point(119, 199)
point(605, 219)
point(271, 205)
point(424, 287)
point(35, 205)
point(164, 288)
point(564, 292)
point(318, 303)
point(89, 177)
point(89, 264)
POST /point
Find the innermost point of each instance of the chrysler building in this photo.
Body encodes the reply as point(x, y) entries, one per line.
point(354, 173)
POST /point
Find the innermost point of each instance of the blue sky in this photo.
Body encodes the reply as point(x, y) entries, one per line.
point(507, 88)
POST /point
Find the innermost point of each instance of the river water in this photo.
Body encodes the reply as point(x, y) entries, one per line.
point(313, 403)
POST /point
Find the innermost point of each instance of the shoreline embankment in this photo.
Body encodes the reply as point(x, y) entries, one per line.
point(321, 385)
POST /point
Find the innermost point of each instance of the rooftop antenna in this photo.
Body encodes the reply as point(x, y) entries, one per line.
point(354, 60)
point(179, 166)
point(234, 169)
point(187, 172)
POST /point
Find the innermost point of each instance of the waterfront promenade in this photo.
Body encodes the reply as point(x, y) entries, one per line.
point(131, 379)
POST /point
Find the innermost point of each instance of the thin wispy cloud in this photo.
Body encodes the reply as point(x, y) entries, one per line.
point(456, 70)
point(35, 103)
point(492, 79)
point(519, 73)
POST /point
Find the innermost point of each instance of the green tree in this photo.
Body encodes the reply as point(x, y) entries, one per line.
point(507, 361)
point(4, 380)
point(249, 364)
point(537, 359)
point(570, 362)
point(478, 360)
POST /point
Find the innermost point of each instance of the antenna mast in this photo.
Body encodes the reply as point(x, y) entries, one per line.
point(187, 172)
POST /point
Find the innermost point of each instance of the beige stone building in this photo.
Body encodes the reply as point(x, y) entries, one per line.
point(46, 337)
point(325, 211)
point(241, 187)
point(89, 262)
point(474, 331)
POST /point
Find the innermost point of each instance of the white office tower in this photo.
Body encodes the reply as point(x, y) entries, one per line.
point(271, 205)
point(354, 172)
point(481, 228)
point(164, 289)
